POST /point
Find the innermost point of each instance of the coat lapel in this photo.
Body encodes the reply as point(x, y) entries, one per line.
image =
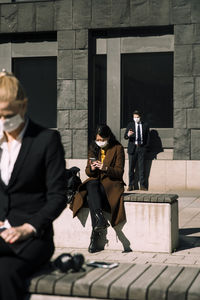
point(26, 143)
point(109, 156)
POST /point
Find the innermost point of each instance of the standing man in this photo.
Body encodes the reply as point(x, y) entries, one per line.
point(137, 134)
point(32, 190)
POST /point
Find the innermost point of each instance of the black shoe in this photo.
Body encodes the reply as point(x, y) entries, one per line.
point(130, 188)
point(143, 188)
point(101, 222)
point(93, 242)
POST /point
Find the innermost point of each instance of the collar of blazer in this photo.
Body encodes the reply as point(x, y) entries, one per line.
point(26, 143)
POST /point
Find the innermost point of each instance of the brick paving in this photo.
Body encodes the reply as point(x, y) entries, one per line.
point(188, 252)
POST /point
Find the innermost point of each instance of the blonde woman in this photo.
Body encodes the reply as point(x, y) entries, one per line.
point(32, 189)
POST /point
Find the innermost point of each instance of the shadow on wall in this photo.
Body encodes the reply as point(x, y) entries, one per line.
point(155, 147)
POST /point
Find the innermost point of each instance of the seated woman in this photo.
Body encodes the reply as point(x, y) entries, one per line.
point(104, 188)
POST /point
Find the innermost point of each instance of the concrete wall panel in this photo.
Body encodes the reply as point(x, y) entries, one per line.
point(66, 94)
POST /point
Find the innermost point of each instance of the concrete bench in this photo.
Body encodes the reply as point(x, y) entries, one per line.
point(151, 225)
point(127, 281)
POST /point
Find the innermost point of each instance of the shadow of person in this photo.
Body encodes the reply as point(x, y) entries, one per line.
point(189, 238)
point(154, 147)
point(83, 215)
point(122, 238)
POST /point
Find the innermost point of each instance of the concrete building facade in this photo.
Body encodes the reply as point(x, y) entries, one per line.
point(75, 26)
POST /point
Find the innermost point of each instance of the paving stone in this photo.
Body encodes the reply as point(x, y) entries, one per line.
point(45, 16)
point(174, 259)
point(195, 11)
point(159, 258)
point(66, 135)
point(82, 39)
point(63, 14)
point(66, 39)
point(80, 64)
point(193, 118)
point(183, 60)
point(81, 94)
point(26, 15)
point(65, 64)
point(183, 92)
point(8, 18)
point(121, 12)
point(180, 118)
point(188, 261)
point(80, 147)
point(82, 15)
point(66, 94)
point(195, 144)
point(196, 59)
point(78, 119)
point(63, 119)
point(181, 145)
point(101, 13)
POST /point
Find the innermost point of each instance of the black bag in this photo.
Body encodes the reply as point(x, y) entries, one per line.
point(72, 182)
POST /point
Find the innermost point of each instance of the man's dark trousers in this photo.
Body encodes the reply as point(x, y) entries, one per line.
point(138, 157)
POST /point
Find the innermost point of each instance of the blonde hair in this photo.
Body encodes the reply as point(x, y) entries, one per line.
point(10, 88)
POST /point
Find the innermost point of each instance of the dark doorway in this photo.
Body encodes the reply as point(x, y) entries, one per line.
point(38, 75)
point(147, 86)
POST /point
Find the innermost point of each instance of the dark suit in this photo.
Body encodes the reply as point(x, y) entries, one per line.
point(137, 153)
point(35, 195)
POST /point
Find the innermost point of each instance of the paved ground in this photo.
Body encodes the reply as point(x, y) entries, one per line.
point(188, 253)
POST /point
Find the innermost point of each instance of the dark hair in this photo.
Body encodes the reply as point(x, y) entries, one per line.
point(136, 112)
point(105, 132)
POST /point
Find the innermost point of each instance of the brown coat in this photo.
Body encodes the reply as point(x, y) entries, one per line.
point(112, 180)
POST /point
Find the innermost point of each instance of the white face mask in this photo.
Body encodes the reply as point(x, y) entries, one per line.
point(11, 124)
point(101, 144)
point(137, 120)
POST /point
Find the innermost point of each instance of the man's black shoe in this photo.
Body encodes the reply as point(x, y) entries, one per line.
point(143, 188)
point(130, 188)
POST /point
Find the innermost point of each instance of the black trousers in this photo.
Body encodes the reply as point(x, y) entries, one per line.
point(16, 269)
point(137, 159)
point(96, 198)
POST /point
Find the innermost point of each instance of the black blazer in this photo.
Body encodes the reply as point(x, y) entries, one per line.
point(36, 191)
point(131, 139)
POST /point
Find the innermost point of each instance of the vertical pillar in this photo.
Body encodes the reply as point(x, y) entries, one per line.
point(113, 85)
point(5, 57)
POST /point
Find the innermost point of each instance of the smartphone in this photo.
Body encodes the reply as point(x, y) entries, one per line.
point(102, 264)
point(93, 159)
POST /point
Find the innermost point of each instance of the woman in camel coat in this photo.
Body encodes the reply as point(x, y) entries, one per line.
point(104, 188)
